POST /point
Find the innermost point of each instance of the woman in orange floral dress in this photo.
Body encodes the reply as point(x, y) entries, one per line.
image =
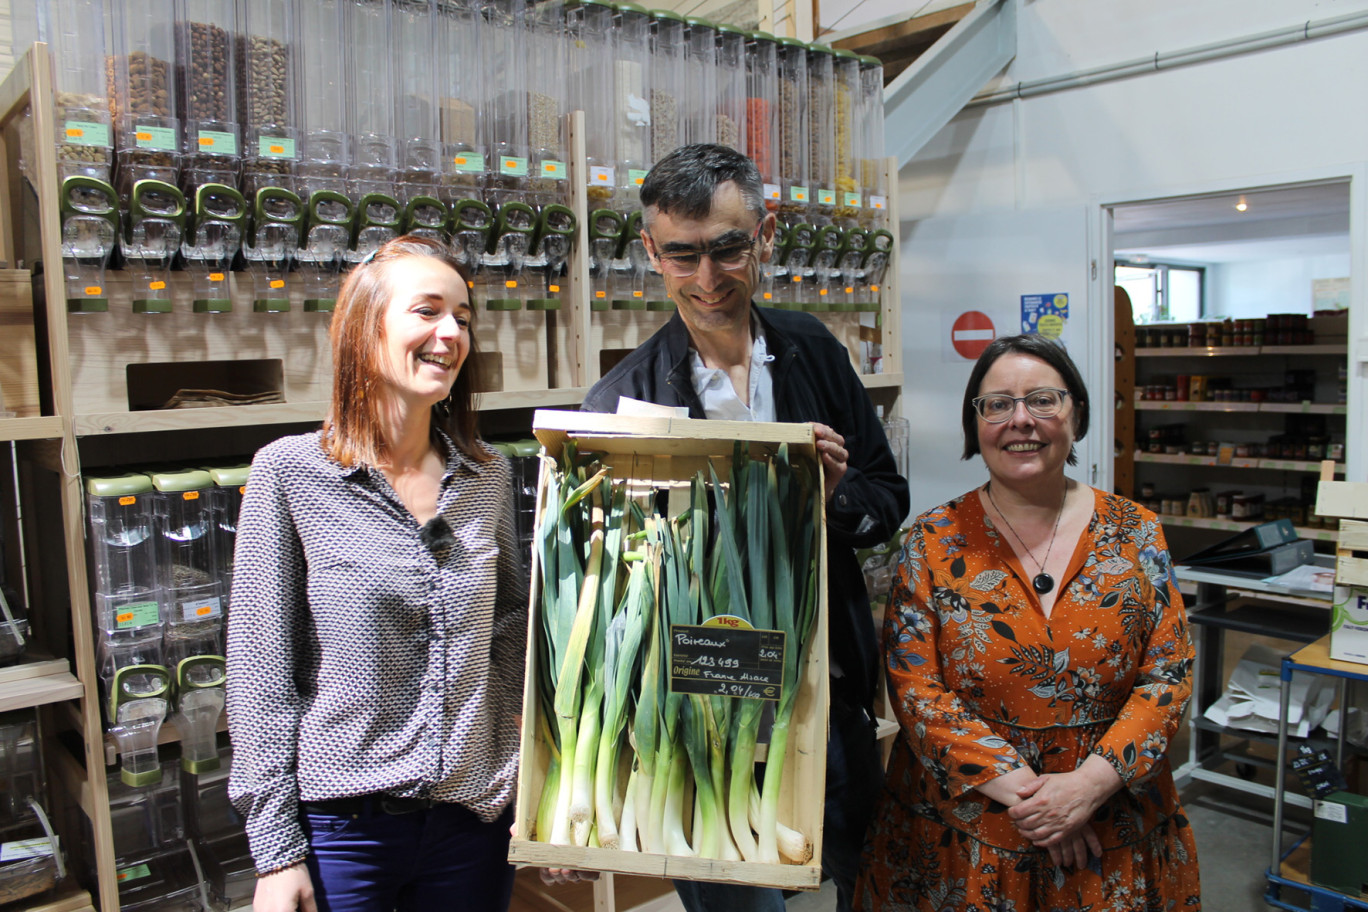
point(1038, 662)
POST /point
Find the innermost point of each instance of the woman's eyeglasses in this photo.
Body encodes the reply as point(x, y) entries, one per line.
point(727, 256)
point(1041, 403)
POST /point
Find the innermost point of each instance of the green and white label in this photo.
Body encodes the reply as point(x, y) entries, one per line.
point(512, 166)
point(85, 133)
point(851, 199)
point(826, 197)
point(201, 609)
point(601, 176)
point(163, 139)
point(468, 162)
point(636, 177)
point(217, 142)
point(136, 614)
point(798, 194)
point(133, 872)
point(275, 147)
point(554, 170)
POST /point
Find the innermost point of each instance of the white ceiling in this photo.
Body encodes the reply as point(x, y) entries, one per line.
point(1279, 223)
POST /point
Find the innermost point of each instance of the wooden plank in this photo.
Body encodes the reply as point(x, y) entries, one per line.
point(890, 299)
point(1353, 535)
point(31, 428)
point(918, 29)
point(35, 668)
point(524, 852)
point(1348, 499)
point(40, 691)
point(576, 296)
point(14, 90)
point(78, 901)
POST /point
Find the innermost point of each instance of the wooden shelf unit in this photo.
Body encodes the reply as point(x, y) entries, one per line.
point(83, 377)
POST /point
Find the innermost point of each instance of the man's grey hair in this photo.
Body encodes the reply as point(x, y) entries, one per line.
point(683, 182)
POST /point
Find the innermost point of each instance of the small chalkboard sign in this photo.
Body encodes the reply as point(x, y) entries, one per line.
point(726, 658)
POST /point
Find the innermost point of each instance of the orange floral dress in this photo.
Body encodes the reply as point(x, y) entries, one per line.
point(983, 683)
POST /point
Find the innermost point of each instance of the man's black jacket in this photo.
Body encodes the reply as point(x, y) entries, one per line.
point(813, 382)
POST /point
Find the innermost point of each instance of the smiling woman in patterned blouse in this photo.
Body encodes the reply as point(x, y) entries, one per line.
point(378, 620)
point(1038, 661)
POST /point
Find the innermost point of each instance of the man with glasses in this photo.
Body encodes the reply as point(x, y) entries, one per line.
point(707, 233)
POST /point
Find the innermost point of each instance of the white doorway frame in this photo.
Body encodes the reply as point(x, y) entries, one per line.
point(1102, 330)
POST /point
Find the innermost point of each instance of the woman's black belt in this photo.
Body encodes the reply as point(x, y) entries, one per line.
point(359, 805)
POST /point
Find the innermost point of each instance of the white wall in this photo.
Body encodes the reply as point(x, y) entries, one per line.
point(1270, 117)
point(1269, 286)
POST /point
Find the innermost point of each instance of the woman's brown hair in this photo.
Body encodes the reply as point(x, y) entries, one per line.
point(351, 431)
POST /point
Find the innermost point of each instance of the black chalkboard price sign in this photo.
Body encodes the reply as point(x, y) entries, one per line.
point(726, 658)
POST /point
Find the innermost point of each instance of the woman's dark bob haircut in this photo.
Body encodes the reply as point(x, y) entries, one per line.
point(1037, 346)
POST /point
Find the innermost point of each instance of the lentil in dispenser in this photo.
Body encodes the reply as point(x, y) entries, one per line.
point(74, 31)
point(370, 109)
point(207, 90)
point(142, 95)
point(822, 131)
point(324, 160)
point(268, 105)
point(793, 146)
point(419, 139)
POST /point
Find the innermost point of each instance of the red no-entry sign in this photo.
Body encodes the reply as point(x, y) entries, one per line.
point(972, 332)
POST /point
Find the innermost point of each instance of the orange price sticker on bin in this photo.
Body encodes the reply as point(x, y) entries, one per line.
point(600, 294)
point(276, 150)
point(127, 500)
point(555, 289)
point(638, 294)
point(157, 285)
point(206, 140)
point(242, 489)
point(204, 610)
point(216, 277)
point(74, 132)
point(94, 290)
point(124, 618)
point(768, 295)
point(142, 135)
point(510, 284)
point(277, 283)
point(190, 495)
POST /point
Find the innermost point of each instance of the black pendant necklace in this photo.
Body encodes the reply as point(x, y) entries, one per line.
point(1042, 582)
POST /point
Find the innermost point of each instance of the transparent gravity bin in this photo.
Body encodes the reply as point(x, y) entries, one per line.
point(123, 555)
point(822, 131)
point(199, 704)
point(14, 625)
point(188, 552)
point(139, 699)
point(146, 819)
point(21, 767)
point(370, 125)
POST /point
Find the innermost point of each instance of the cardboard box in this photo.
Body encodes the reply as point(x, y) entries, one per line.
point(654, 453)
point(1349, 625)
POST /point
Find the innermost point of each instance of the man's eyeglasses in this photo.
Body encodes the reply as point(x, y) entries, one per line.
point(1041, 403)
point(682, 264)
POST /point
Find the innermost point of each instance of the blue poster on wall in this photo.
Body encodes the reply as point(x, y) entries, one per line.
point(1046, 314)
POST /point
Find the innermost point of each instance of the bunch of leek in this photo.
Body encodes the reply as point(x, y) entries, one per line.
point(616, 576)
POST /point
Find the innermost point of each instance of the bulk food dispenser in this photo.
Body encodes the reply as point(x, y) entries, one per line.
point(75, 33)
point(370, 119)
point(230, 483)
point(592, 90)
point(554, 234)
point(268, 86)
point(32, 862)
point(632, 122)
point(796, 237)
point(762, 133)
point(700, 98)
point(419, 140)
point(505, 125)
point(212, 154)
point(324, 159)
point(822, 132)
point(142, 94)
point(874, 180)
point(460, 31)
point(128, 617)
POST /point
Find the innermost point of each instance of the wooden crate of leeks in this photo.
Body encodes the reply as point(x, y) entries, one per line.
point(644, 524)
